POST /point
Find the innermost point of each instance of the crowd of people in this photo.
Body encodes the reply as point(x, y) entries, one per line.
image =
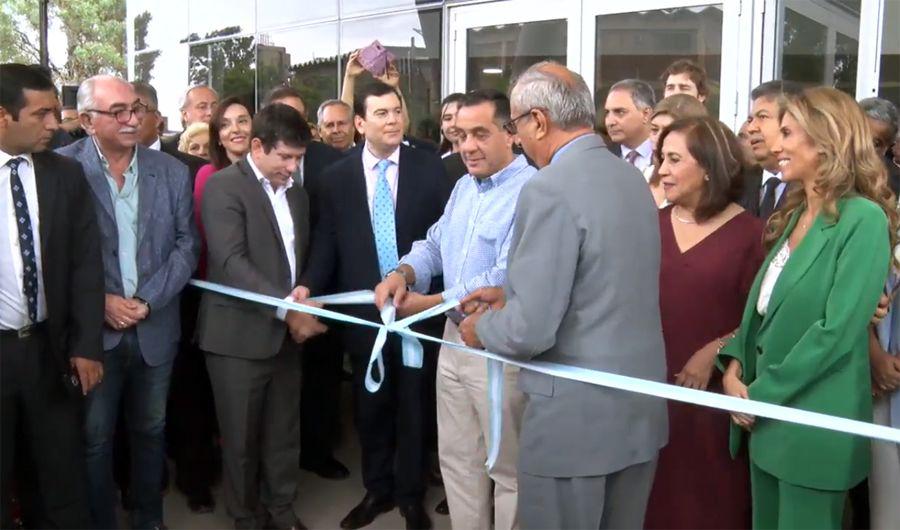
point(662, 245)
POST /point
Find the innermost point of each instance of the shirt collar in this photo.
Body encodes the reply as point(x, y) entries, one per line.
point(156, 145)
point(645, 149)
point(262, 178)
point(370, 160)
point(766, 175)
point(132, 166)
point(6, 157)
point(498, 178)
point(568, 145)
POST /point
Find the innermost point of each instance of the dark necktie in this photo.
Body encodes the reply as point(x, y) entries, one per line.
point(26, 239)
point(767, 206)
point(631, 157)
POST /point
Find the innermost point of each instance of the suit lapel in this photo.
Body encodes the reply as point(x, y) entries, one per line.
point(46, 193)
point(358, 210)
point(301, 226)
point(406, 201)
point(257, 194)
point(96, 176)
point(799, 262)
point(147, 190)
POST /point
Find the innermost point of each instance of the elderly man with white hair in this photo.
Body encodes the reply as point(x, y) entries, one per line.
point(150, 247)
point(582, 290)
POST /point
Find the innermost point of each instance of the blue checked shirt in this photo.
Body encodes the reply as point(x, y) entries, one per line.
point(470, 242)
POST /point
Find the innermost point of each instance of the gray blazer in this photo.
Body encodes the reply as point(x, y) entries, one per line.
point(168, 244)
point(245, 250)
point(583, 290)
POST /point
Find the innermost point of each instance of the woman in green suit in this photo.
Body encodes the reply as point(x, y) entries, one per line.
point(803, 339)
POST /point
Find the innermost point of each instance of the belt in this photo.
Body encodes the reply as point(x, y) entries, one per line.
point(25, 332)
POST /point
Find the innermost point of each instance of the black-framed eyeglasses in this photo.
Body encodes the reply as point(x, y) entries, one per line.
point(511, 126)
point(123, 116)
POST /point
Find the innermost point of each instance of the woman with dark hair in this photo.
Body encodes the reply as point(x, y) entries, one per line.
point(229, 141)
point(449, 107)
point(803, 340)
point(711, 250)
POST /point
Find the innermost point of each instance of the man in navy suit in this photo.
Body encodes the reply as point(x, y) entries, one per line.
point(371, 206)
point(150, 247)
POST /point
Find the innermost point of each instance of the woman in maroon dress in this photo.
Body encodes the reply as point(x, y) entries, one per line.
point(711, 251)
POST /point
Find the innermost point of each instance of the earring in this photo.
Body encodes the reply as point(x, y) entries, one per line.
point(706, 177)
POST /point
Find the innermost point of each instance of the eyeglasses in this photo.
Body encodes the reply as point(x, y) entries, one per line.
point(123, 116)
point(511, 126)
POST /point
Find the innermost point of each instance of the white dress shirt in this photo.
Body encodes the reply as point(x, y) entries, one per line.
point(644, 154)
point(369, 162)
point(156, 145)
point(776, 266)
point(779, 191)
point(279, 201)
point(13, 305)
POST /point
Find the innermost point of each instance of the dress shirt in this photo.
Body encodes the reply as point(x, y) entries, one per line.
point(13, 306)
point(126, 204)
point(779, 191)
point(776, 266)
point(278, 199)
point(156, 145)
point(470, 242)
point(369, 161)
point(644, 154)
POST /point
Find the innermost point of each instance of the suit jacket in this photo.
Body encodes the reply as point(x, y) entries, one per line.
point(168, 244)
point(245, 250)
point(194, 163)
point(583, 290)
point(810, 351)
point(752, 188)
point(318, 157)
point(342, 253)
point(70, 260)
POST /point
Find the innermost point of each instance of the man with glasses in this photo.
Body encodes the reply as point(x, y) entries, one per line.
point(150, 248)
point(469, 245)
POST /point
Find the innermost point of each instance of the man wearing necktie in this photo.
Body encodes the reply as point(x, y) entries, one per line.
point(371, 206)
point(628, 106)
point(51, 308)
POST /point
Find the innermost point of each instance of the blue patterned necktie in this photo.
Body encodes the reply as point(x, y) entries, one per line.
point(383, 224)
point(26, 239)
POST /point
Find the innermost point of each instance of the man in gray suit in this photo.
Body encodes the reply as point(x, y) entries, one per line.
point(150, 248)
point(257, 234)
point(582, 290)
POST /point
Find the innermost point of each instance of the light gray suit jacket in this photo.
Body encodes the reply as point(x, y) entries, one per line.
point(245, 250)
point(583, 290)
point(168, 244)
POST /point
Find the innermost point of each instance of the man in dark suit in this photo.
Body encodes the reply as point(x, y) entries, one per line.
point(323, 357)
point(257, 234)
point(51, 308)
point(143, 203)
point(764, 191)
point(372, 205)
point(190, 423)
point(197, 104)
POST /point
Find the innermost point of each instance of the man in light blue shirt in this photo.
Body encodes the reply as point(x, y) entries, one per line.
point(469, 245)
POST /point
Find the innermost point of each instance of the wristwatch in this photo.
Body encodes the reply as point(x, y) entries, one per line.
point(146, 303)
point(401, 272)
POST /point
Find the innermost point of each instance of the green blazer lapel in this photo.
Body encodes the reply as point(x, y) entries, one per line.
point(801, 259)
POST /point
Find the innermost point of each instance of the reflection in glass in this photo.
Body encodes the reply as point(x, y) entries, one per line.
point(643, 44)
point(889, 82)
point(415, 40)
point(229, 66)
point(271, 13)
point(495, 55)
point(362, 6)
point(820, 43)
point(287, 58)
point(157, 23)
point(207, 16)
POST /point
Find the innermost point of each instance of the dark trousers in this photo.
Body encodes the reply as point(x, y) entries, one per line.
point(141, 389)
point(390, 423)
point(42, 424)
point(256, 403)
point(320, 396)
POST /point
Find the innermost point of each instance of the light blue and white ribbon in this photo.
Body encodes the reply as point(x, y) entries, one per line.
point(574, 373)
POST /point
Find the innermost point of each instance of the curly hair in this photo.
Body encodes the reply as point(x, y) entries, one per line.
point(848, 163)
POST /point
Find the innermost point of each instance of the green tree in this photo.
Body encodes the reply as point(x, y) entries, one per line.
point(94, 32)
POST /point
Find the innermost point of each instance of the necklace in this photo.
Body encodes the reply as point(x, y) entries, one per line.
point(682, 219)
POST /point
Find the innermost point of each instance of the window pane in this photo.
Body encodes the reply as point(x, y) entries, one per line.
point(889, 84)
point(155, 23)
point(286, 58)
point(497, 54)
point(641, 45)
point(210, 18)
point(280, 13)
point(349, 7)
point(821, 43)
point(228, 66)
point(165, 71)
point(415, 40)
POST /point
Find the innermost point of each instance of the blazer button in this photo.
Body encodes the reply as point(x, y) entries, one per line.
point(758, 350)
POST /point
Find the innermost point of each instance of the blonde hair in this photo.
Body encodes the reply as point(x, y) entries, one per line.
point(848, 166)
point(190, 132)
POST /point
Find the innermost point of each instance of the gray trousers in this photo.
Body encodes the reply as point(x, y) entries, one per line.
point(617, 500)
point(259, 418)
